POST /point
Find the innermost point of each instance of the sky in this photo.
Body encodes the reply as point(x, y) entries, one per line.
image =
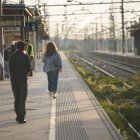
point(78, 24)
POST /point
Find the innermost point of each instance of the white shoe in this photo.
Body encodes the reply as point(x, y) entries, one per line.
point(50, 94)
point(54, 95)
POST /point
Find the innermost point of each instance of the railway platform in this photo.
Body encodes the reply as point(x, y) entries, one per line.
point(74, 115)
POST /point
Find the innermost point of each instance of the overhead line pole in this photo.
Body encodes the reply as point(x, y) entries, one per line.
point(1, 44)
point(123, 32)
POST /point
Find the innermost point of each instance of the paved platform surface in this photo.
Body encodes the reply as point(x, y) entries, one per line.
point(73, 115)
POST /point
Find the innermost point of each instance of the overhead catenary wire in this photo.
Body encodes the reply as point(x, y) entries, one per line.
point(95, 3)
point(88, 13)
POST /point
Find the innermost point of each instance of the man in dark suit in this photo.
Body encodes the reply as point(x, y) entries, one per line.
point(19, 64)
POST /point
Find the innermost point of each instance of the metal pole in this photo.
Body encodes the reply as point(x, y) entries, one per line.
point(57, 35)
point(32, 38)
point(123, 33)
point(96, 36)
point(23, 27)
point(66, 34)
point(1, 44)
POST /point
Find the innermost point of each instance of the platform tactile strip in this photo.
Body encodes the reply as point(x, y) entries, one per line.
point(69, 123)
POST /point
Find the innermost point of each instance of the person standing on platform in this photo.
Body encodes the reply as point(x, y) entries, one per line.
point(29, 51)
point(13, 48)
point(19, 64)
point(1, 62)
point(7, 53)
point(52, 66)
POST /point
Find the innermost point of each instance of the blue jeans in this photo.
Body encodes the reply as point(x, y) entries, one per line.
point(52, 81)
point(6, 67)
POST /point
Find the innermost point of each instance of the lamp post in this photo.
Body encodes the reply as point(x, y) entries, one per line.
point(1, 44)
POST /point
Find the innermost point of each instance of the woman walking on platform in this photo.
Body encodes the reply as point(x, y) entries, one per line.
point(52, 66)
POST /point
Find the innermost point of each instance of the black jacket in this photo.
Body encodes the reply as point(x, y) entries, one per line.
point(6, 54)
point(19, 64)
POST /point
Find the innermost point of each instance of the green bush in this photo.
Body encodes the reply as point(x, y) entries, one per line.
point(130, 93)
point(107, 90)
point(135, 81)
point(132, 114)
point(137, 99)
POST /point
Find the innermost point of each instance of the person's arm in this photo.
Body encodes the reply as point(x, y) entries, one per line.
point(43, 59)
point(60, 62)
point(1, 61)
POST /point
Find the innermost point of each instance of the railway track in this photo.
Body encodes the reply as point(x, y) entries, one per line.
point(115, 68)
point(110, 71)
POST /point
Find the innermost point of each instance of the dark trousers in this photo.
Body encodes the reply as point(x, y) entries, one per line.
point(52, 81)
point(31, 70)
point(20, 93)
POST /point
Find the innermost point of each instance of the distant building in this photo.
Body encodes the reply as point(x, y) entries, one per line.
point(20, 21)
point(135, 31)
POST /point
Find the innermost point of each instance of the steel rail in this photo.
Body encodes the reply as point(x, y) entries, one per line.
point(101, 70)
point(128, 70)
point(127, 64)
